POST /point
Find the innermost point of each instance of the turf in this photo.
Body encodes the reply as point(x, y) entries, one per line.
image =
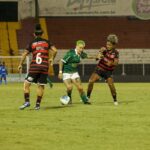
point(100, 126)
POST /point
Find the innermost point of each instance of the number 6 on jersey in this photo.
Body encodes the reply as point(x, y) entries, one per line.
point(38, 58)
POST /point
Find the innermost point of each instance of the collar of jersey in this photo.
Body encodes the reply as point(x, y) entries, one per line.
point(76, 52)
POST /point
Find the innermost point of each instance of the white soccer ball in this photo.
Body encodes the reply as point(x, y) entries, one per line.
point(64, 99)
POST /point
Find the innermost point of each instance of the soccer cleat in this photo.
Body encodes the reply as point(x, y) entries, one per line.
point(87, 103)
point(25, 105)
point(51, 85)
point(37, 107)
point(116, 103)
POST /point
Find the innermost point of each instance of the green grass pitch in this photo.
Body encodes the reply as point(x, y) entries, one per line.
point(100, 126)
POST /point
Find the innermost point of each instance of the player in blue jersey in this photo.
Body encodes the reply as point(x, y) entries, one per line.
point(3, 73)
point(0, 70)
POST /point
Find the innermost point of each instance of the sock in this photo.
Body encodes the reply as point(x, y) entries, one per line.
point(84, 97)
point(115, 98)
point(88, 94)
point(69, 94)
point(38, 101)
point(89, 91)
point(27, 97)
point(49, 81)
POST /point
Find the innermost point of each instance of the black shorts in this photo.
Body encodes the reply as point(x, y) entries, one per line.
point(38, 78)
point(103, 74)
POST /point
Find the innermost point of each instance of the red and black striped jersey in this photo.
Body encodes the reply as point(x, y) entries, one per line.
point(39, 48)
point(108, 56)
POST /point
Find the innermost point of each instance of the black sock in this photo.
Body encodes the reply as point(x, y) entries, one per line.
point(38, 101)
point(88, 94)
point(115, 98)
point(69, 94)
point(26, 97)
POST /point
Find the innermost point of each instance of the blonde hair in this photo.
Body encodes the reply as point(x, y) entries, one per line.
point(80, 42)
point(112, 38)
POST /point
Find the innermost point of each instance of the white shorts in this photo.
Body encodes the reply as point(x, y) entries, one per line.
point(70, 76)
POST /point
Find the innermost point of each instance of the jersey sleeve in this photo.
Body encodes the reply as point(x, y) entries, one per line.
point(84, 55)
point(66, 57)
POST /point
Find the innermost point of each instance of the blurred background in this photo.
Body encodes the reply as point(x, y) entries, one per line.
point(66, 21)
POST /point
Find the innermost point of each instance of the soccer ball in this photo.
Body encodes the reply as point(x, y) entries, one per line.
point(64, 99)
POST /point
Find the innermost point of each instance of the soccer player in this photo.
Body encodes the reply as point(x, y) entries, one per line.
point(108, 59)
point(0, 71)
point(3, 73)
point(38, 71)
point(68, 70)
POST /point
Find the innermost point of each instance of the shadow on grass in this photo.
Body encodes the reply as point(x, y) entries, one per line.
point(56, 107)
point(120, 102)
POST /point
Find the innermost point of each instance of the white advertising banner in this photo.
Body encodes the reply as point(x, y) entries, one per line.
point(139, 8)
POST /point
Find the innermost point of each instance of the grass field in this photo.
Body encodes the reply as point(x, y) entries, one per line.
point(100, 126)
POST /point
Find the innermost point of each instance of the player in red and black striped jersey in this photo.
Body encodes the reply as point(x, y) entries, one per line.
point(38, 71)
point(108, 59)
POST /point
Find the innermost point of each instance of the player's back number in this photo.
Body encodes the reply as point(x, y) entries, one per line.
point(38, 58)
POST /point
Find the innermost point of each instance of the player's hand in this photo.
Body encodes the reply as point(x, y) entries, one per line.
point(60, 75)
point(20, 68)
point(99, 56)
point(102, 49)
point(51, 61)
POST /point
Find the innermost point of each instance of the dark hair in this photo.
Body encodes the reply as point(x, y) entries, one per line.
point(38, 29)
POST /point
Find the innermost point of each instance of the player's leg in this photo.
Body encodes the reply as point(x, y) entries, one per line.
point(41, 81)
point(110, 83)
point(94, 77)
point(40, 93)
point(5, 80)
point(49, 81)
point(26, 95)
point(69, 86)
point(27, 83)
point(78, 84)
point(27, 91)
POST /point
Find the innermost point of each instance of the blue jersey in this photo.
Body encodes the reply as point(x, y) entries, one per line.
point(0, 70)
point(3, 70)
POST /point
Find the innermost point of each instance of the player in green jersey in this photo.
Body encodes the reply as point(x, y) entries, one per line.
point(68, 70)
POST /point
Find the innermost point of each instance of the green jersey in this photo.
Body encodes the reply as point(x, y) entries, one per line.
point(71, 61)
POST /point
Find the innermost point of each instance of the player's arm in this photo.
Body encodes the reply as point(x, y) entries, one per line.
point(100, 54)
point(115, 62)
point(6, 71)
point(25, 53)
point(116, 59)
point(53, 51)
point(52, 54)
point(61, 63)
point(87, 56)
